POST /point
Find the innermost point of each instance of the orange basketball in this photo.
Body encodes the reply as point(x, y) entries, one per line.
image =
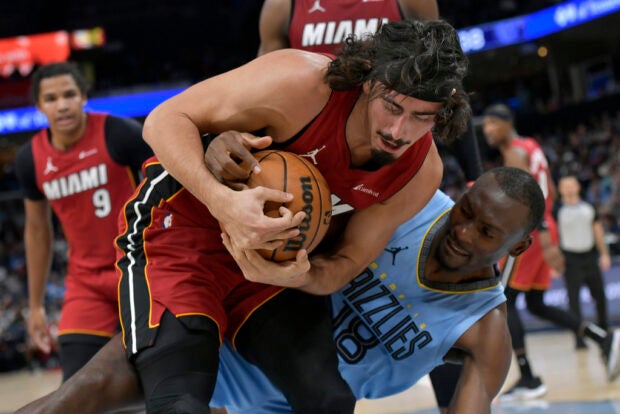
point(288, 172)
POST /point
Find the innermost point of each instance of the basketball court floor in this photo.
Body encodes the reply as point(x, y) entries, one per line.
point(575, 380)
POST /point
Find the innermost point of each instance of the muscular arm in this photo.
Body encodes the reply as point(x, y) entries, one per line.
point(369, 230)
point(488, 348)
point(420, 9)
point(38, 242)
point(280, 92)
point(106, 382)
point(273, 25)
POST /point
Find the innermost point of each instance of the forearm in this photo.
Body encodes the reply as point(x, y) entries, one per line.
point(176, 142)
point(478, 405)
point(545, 239)
point(331, 271)
point(38, 242)
point(471, 395)
point(358, 247)
point(486, 362)
point(329, 274)
point(599, 239)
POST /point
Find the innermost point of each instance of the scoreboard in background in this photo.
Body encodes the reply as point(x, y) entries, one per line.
point(535, 25)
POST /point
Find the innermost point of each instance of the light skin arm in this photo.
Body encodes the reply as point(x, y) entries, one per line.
point(487, 345)
point(273, 25)
point(285, 99)
point(420, 9)
point(358, 246)
point(38, 242)
point(601, 246)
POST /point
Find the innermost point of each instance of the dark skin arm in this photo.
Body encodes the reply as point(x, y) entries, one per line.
point(487, 349)
point(107, 381)
point(273, 25)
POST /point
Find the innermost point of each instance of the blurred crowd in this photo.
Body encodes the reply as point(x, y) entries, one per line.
point(15, 350)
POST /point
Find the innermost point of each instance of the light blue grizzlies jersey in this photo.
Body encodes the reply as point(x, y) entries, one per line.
point(391, 325)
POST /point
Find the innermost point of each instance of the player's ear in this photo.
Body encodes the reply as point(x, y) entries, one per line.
point(521, 246)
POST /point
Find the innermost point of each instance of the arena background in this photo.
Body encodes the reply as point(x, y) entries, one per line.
point(556, 63)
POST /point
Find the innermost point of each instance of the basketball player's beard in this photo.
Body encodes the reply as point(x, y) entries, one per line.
point(378, 159)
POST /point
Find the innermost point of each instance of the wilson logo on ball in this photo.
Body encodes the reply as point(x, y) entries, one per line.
point(307, 197)
point(288, 172)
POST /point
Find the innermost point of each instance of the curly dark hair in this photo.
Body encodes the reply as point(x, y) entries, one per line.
point(422, 59)
point(56, 69)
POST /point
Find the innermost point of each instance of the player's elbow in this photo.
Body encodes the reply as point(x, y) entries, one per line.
point(151, 124)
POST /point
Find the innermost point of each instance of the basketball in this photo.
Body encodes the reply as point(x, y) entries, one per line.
point(288, 172)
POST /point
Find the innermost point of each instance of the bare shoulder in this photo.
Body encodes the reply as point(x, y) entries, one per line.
point(477, 337)
point(305, 69)
point(516, 157)
point(295, 89)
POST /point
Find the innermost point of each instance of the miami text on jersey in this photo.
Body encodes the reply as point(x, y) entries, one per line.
point(76, 182)
point(333, 32)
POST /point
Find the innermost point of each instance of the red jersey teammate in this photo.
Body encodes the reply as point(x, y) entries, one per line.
point(181, 291)
point(322, 25)
point(85, 167)
point(531, 272)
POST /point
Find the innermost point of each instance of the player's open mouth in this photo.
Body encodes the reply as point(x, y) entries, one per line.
point(452, 245)
point(64, 120)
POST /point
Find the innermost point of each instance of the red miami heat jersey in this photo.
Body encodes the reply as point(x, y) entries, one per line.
point(321, 25)
point(539, 168)
point(323, 142)
point(529, 270)
point(84, 176)
point(170, 251)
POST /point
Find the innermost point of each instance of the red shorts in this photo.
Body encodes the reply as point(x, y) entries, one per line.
point(90, 304)
point(175, 261)
point(529, 270)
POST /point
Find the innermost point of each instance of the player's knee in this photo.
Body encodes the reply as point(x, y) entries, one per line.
point(178, 374)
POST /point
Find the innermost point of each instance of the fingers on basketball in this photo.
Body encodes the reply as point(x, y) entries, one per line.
point(289, 172)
